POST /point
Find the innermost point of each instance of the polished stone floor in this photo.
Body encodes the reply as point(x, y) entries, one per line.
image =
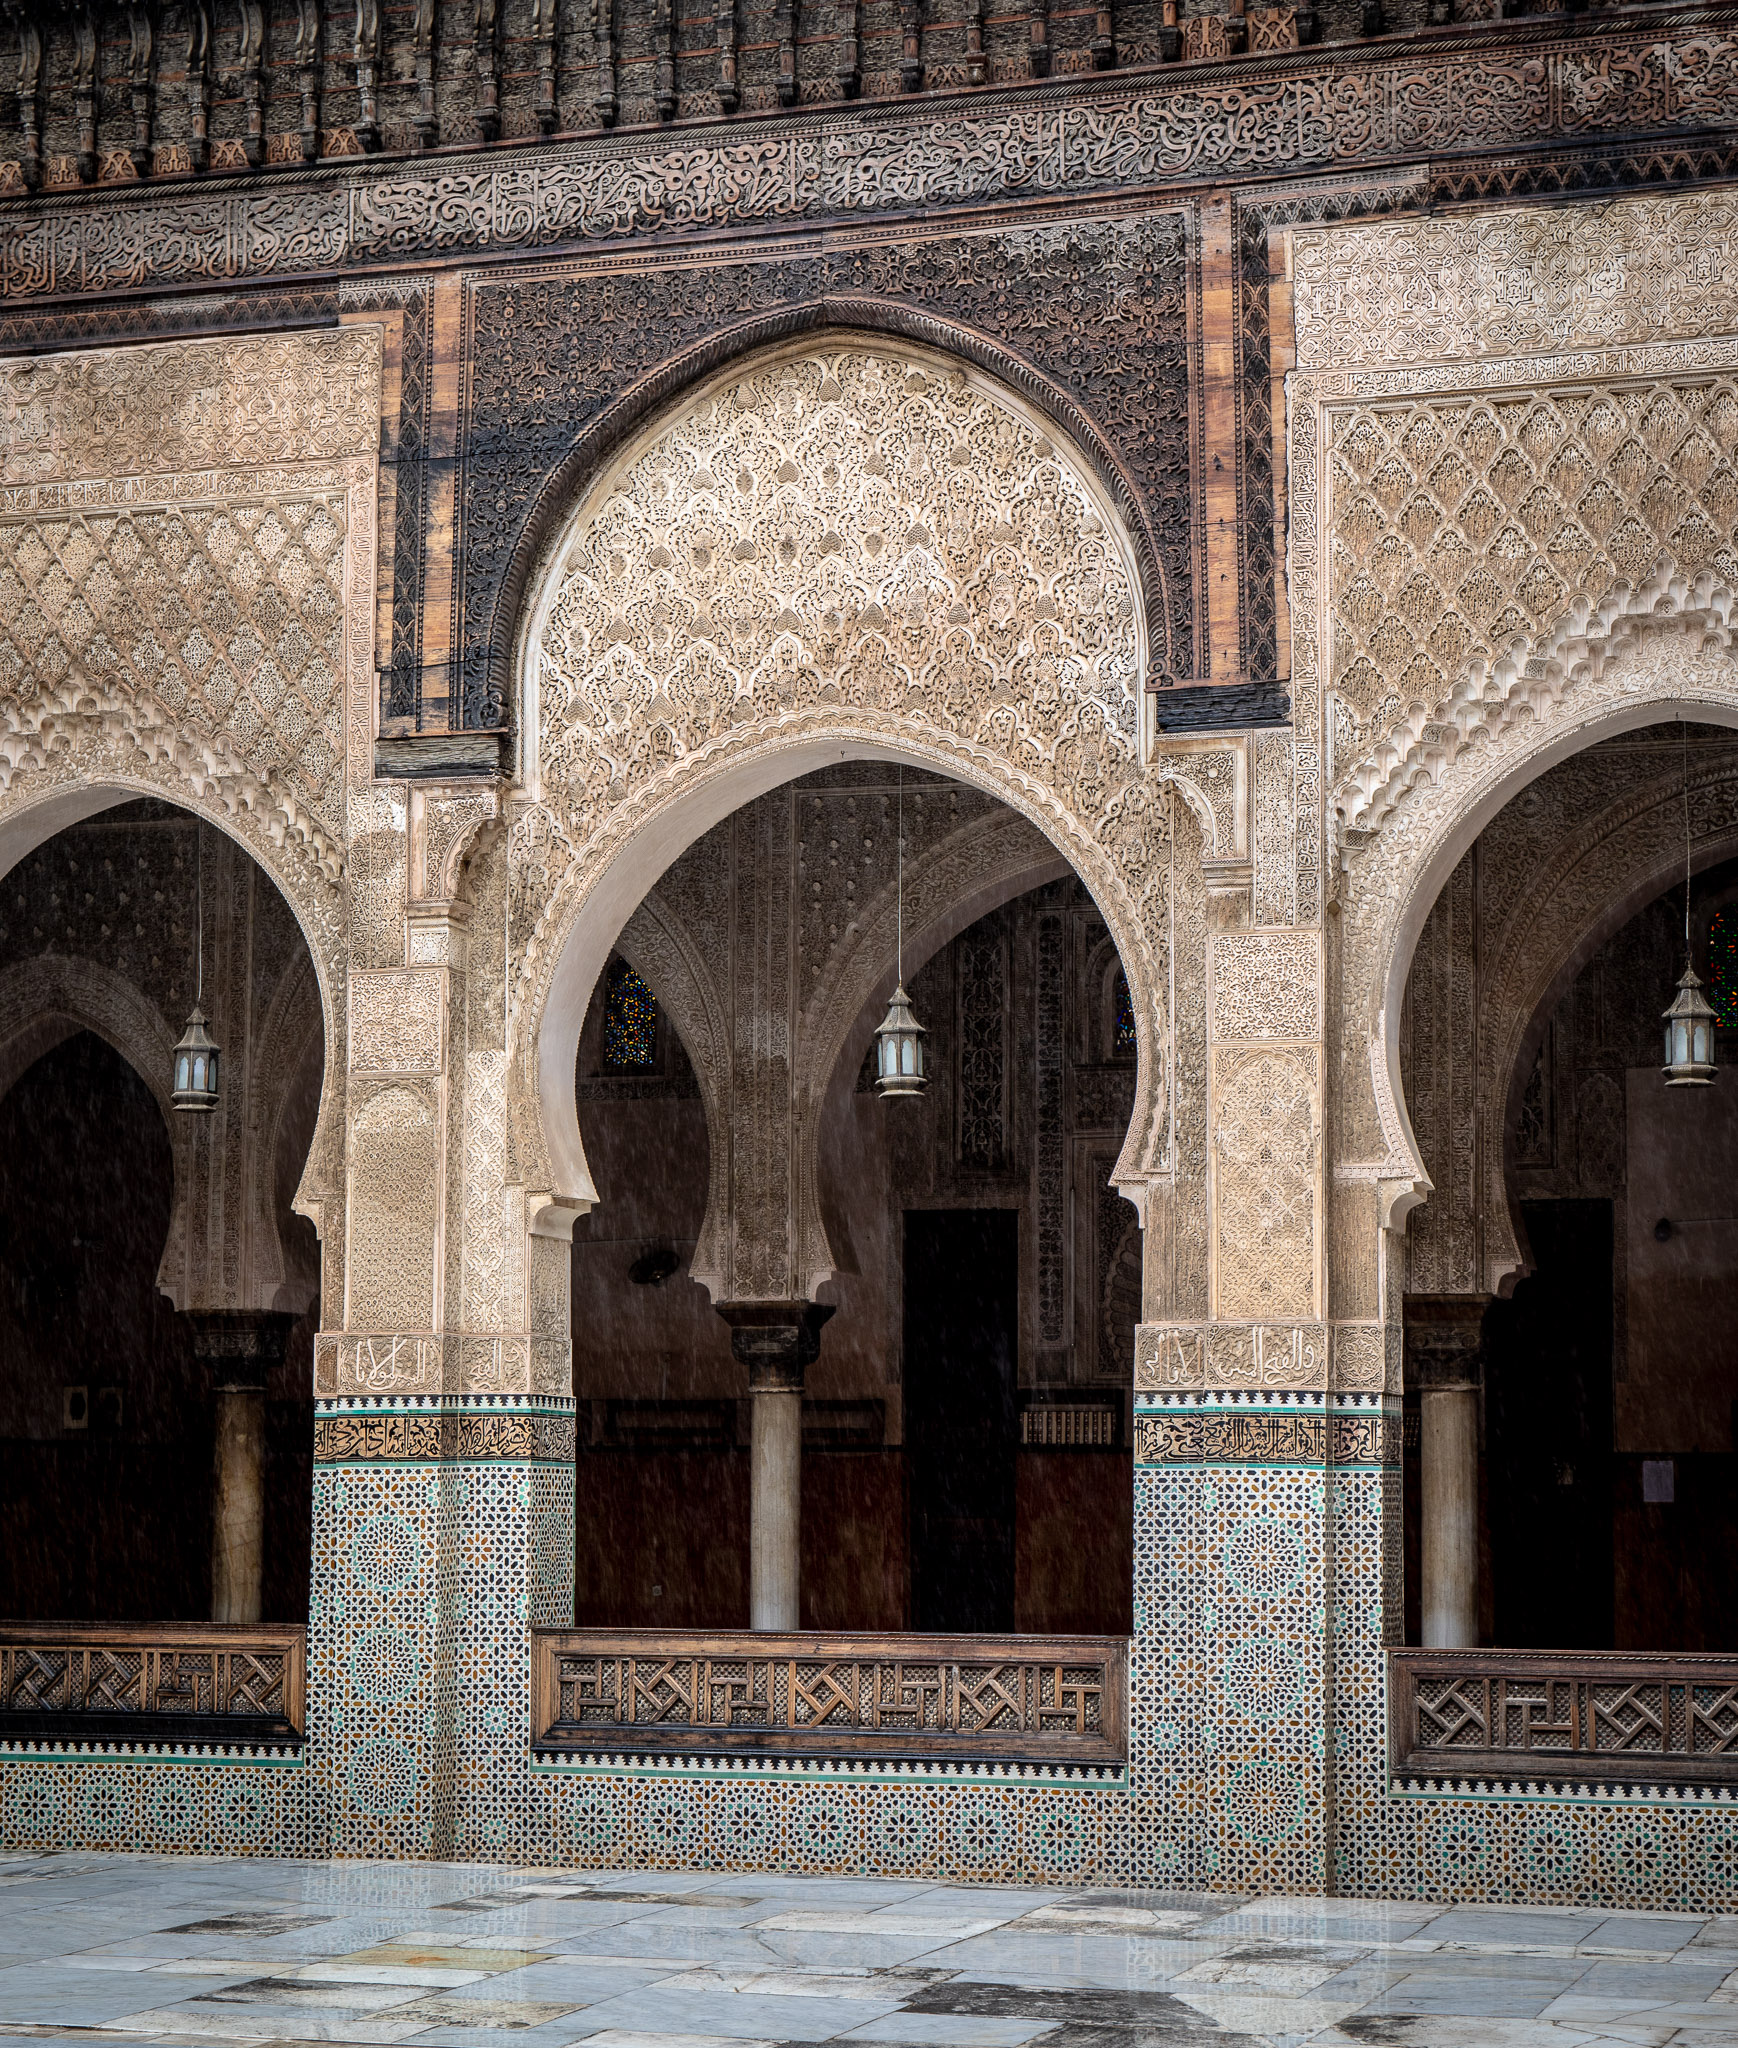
point(144, 1949)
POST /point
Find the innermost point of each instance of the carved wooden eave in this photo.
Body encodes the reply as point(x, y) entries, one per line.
point(1472, 90)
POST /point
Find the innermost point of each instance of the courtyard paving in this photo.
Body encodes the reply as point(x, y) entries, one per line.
point(201, 1950)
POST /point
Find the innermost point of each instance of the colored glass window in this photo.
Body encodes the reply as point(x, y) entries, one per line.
point(1723, 966)
point(1123, 1030)
point(630, 1022)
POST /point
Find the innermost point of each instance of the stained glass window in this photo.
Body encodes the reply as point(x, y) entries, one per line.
point(630, 1022)
point(1723, 966)
point(1123, 1026)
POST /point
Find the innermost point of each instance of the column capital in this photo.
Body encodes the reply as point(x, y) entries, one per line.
point(239, 1345)
point(776, 1340)
point(1444, 1340)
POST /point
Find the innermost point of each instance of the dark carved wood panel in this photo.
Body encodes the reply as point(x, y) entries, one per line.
point(1563, 1715)
point(1027, 1699)
point(153, 1682)
point(1095, 307)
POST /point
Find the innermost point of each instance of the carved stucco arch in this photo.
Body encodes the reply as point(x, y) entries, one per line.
point(631, 751)
point(98, 766)
point(1648, 652)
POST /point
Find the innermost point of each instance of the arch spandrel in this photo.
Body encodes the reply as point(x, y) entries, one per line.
point(195, 621)
point(847, 546)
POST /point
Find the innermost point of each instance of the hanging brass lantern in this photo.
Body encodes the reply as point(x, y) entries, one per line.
point(899, 1041)
point(195, 1066)
point(899, 1049)
point(194, 1061)
point(1689, 1036)
point(1690, 1020)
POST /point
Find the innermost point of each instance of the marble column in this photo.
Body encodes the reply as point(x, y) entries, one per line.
point(777, 1341)
point(1444, 1364)
point(238, 1349)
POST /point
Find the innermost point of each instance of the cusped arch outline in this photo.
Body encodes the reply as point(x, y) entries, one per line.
point(39, 800)
point(51, 997)
point(626, 760)
point(625, 418)
point(1663, 648)
point(985, 863)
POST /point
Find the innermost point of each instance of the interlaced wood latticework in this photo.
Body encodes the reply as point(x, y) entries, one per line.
point(1571, 1714)
point(163, 1682)
point(966, 1697)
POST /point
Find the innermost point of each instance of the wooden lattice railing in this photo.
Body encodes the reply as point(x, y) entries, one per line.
point(161, 1681)
point(1031, 1699)
point(1583, 1714)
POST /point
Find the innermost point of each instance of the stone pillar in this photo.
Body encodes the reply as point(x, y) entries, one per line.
point(777, 1341)
point(238, 1349)
point(1444, 1364)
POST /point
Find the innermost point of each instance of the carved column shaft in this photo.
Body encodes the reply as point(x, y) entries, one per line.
point(307, 57)
point(543, 37)
point(84, 94)
point(847, 59)
point(239, 1350)
point(776, 1497)
point(777, 1341)
point(1444, 1362)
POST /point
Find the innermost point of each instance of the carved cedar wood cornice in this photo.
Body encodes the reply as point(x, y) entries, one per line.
point(1478, 88)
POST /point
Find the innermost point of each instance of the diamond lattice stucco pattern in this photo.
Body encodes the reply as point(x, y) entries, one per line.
point(228, 615)
point(1462, 524)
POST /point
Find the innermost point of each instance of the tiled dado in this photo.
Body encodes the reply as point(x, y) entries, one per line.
point(110, 1796)
point(443, 1532)
point(1267, 1585)
point(1231, 1659)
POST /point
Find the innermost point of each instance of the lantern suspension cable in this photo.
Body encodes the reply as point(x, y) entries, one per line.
point(899, 1041)
point(194, 1068)
point(1690, 1020)
point(899, 892)
point(1684, 734)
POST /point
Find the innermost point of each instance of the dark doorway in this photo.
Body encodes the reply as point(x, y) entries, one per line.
point(962, 1269)
point(1548, 1435)
point(105, 1431)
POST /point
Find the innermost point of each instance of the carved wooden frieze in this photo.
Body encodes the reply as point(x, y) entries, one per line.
point(443, 1437)
point(1058, 1701)
point(1260, 117)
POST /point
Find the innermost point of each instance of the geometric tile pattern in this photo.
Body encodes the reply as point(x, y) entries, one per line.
point(1257, 1740)
point(427, 1578)
point(206, 1806)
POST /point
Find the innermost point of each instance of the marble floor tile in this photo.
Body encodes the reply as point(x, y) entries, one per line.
point(170, 1953)
point(950, 2030)
point(620, 2037)
point(1662, 1933)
